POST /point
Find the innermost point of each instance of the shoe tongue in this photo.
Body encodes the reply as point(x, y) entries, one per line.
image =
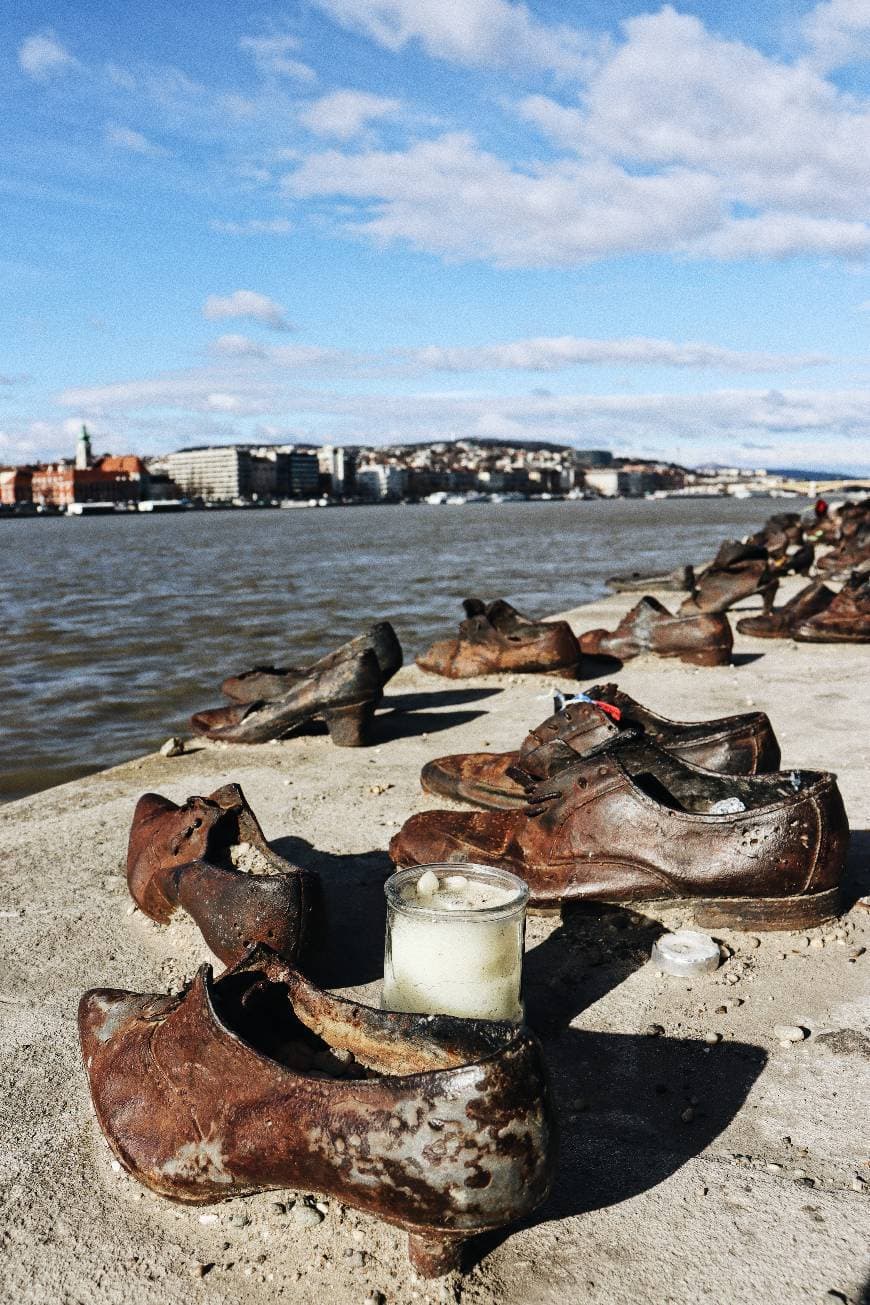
point(582, 725)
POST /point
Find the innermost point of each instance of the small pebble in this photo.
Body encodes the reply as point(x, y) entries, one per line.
point(773, 1168)
point(202, 1269)
point(752, 941)
point(358, 1235)
point(239, 1219)
point(427, 884)
point(654, 1030)
point(173, 747)
point(208, 1218)
point(857, 1185)
point(817, 943)
point(687, 1115)
point(789, 1033)
point(116, 1165)
point(856, 952)
point(306, 1216)
point(712, 1038)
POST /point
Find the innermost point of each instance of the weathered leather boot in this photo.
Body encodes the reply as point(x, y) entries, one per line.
point(701, 638)
point(778, 623)
point(739, 745)
point(499, 638)
point(265, 683)
point(344, 695)
point(259, 1080)
point(630, 823)
point(185, 857)
point(846, 619)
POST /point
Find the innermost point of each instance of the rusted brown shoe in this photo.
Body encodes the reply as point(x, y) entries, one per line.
point(778, 624)
point(846, 619)
point(259, 1080)
point(738, 571)
point(682, 578)
point(738, 745)
point(631, 823)
point(344, 695)
point(210, 858)
point(498, 638)
point(701, 638)
point(265, 683)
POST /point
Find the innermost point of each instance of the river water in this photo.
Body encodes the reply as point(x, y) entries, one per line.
point(116, 629)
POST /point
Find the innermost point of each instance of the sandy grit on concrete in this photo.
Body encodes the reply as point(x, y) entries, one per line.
point(692, 1169)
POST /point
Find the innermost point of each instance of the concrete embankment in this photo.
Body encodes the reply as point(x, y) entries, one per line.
point(705, 1163)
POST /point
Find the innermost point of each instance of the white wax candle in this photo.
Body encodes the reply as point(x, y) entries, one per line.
point(455, 942)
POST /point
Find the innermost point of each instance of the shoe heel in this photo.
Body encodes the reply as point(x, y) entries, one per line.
point(434, 1254)
point(349, 726)
point(756, 914)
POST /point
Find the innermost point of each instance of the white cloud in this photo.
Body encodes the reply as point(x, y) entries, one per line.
point(247, 303)
point(344, 114)
point(788, 425)
point(551, 354)
point(783, 235)
point(447, 196)
point(253, 227)
point(837, 33)
point(42, 56)
point(273, 55)
point(776, 135)
point(123, 138)
point(483, 33)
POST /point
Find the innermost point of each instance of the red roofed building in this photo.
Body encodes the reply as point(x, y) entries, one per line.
point(108, 479)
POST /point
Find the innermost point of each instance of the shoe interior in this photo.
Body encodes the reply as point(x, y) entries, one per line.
point(680, 787)
point(323, 1036)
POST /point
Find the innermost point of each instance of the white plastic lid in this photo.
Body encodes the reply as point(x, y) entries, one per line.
point(686, 952)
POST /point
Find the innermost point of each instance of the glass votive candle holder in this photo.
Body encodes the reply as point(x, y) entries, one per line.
point(454, 942)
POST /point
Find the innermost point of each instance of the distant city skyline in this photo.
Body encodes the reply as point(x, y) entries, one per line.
point(635, 227)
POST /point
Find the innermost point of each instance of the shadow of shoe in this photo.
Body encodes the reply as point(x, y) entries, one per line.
point(351, 952)
point(856, 880)
point(595, 949)
point(745, 659)
point(633, 1109)
point(596, 666)
point(438, 698)
point(389, 725)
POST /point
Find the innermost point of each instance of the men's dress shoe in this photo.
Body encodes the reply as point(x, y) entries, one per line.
point(848, 556)
point(259, 1080)
point(185, 857)
point(633, 824)
point(701, 638)
point(680, 579)
point(344, 695)
point(264, 683)
point(498, 638)
point(779, 623)
point(846, 619)
point(739, 745)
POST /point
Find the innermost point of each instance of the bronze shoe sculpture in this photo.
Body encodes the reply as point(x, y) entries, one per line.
point(344, 695)
point(846, 619)
point(265, 683)
point(259, 1080)
point(632, 824)
point(190, 857)
point(700, 638)
point(739, 745)
point(680, 579)
point(778, 623)
point(496, 638)
point(738, 571)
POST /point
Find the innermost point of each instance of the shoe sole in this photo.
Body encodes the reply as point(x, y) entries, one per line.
point(756, 914)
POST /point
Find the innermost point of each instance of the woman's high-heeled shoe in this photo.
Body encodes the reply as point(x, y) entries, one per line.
point(185, 857)
point(259, 1080)
point(343, 694)
point(265, 683)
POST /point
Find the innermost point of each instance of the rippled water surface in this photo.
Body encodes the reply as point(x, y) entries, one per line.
point(116, 629)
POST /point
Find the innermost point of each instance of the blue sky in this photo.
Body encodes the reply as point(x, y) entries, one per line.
point(626, 226)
